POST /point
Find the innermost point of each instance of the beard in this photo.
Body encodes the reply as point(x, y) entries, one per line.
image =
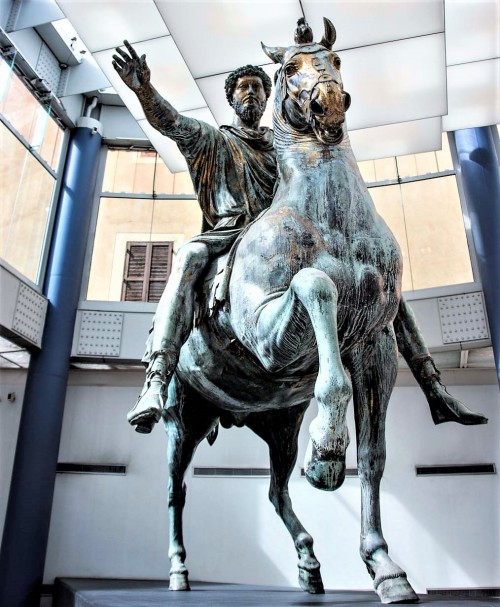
point(249, 113)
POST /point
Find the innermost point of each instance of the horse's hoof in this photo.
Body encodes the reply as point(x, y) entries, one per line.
point(179, 581)
point(396, 590)
point(324, 473)
point(311, 581)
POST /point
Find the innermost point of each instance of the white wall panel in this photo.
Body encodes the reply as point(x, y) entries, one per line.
point(117, 526)
point(10, 415)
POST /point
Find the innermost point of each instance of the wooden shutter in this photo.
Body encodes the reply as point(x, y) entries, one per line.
point(147, 268)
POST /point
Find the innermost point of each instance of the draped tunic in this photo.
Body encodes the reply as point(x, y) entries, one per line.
point(233, 170)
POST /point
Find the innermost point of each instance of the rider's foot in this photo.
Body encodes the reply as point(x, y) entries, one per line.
point(444, 407)
point(148, 409)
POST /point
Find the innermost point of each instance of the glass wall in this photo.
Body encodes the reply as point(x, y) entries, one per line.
point(30, 148)
point(418, 197)
point(141, 201)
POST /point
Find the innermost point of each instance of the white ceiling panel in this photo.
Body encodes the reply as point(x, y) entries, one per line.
point(397, 139)
point(218, 36)
point(389, 83)
point(169, 75)
point(396, 81)
point(473, 95)
point(214, 93)
point(37, 12)
point(472, 30)
point(365, 22)
point(103, 25)
point(167, 148)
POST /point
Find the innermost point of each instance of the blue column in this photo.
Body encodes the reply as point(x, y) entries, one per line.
point(478, 164)
point(24, 544)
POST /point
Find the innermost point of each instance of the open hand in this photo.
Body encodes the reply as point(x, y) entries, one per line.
point(133, 70)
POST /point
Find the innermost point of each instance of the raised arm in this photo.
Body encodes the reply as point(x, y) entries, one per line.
point(134, 71)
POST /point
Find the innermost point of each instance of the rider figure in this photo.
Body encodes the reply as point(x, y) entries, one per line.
point(233, 170)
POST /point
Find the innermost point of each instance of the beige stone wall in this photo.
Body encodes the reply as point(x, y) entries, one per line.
point(122, 220)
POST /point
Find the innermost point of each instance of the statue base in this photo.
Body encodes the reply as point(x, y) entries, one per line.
point(79, 592)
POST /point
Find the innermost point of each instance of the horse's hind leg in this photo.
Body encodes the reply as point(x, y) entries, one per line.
point(309, 309)
point(373, 373)
point(280, 429)
point(188, 420)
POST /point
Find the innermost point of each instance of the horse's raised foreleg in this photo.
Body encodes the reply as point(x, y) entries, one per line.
point(280, 429)
point(373, 373)
point(188, 420)
point(309, 308)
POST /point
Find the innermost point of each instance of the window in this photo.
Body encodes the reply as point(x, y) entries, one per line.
point(30, 148)
point(418, 197)
point(147, 268)
point(141, 202)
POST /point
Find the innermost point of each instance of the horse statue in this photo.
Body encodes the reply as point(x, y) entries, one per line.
point(313, 288)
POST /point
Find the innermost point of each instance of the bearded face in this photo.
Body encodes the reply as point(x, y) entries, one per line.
point(249, 99)
point(249, 112)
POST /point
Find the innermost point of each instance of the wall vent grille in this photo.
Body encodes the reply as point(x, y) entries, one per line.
point(29, 315)
point(231, 472)
point(75, 468)
point(348, 472)
point(463, 318)
point(453, 469)
point(100, 334)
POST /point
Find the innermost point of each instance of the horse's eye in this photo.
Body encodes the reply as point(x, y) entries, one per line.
point(290, 70)
point(337, 63)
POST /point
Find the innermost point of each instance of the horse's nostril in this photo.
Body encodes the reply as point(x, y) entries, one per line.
point(316, 107)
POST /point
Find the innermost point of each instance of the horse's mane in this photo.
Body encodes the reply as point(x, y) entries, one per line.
point(285, 135)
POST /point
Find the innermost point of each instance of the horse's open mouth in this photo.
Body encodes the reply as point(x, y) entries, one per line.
point(328, 135)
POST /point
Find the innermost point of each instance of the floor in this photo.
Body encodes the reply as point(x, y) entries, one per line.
point(72, 592)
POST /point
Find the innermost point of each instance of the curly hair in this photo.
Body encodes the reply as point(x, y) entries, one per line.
point(246, 70)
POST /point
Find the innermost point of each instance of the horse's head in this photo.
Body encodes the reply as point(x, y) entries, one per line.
point(310, 85)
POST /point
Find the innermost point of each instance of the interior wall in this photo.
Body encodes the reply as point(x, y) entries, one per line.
point(443, 531)
point(11, 381)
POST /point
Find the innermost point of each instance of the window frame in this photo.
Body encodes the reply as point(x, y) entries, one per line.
point(57, 174)
point(415, 295)
point(99, 193)
point(459, 288)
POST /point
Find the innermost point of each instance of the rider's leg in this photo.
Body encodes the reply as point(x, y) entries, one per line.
point(173, 322)
point(443, 406)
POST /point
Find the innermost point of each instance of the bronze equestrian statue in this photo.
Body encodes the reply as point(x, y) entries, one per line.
point(311, 289)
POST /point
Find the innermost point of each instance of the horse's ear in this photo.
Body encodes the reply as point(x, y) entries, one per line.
point(330, 34)
point(276, 53)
